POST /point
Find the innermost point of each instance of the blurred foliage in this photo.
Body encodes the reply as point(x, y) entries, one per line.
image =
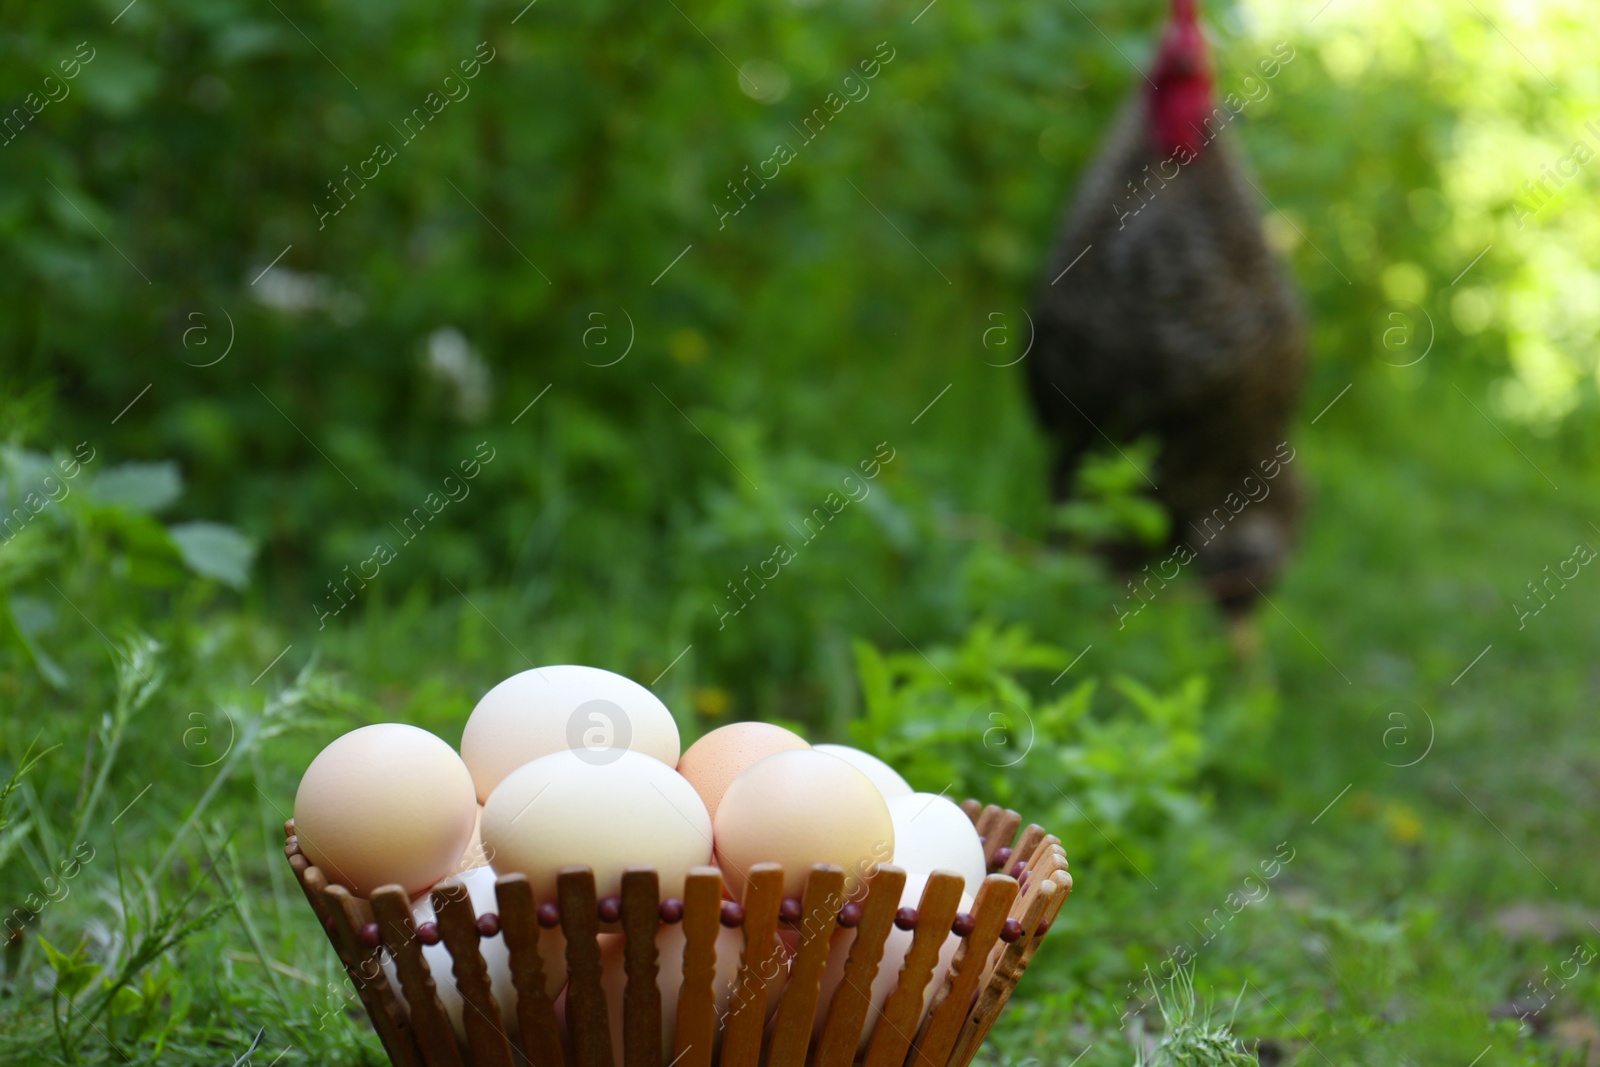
point(1109, 505)
point(962, 721)
point(65, 526)
point(522, 241)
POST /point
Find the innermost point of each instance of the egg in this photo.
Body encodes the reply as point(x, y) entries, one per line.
point(474, 856)
point(931, 833)
point(800, 808)
point(563, 810)
point(496, 957)
point(670, 943)
point(713, 762)
point(385, 804)
point(559, 709)
point(895, 949)
point(885, 777)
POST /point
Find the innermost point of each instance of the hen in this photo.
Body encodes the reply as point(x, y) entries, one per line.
point(1165, 314)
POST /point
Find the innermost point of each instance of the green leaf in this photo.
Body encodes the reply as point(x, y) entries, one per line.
point(147, 487)
point(25, 472)
point(58, 961)
point(125, 1000)
point(73, 972)
point(30, 616)
point(148, 556)
point(180, 998)
point(118, 81)
point(215, 550)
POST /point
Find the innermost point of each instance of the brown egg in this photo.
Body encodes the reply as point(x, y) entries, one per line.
point(797, 809)
point(714, 761)
point(385, 803)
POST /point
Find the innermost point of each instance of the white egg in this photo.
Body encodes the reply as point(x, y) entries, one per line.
point(885, 777)
point(561, 708)
point(932, 833)
point(480, 888)
point(563, 810)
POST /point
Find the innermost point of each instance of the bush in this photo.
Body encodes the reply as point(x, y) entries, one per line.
point(1110, 776)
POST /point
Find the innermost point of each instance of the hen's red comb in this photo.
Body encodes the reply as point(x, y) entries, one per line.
point(1180, 84)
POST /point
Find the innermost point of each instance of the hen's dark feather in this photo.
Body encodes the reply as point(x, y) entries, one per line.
point(1177, 322)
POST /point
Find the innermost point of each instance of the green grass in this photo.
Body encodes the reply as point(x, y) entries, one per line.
point(1379, 943)
point(1376, 937)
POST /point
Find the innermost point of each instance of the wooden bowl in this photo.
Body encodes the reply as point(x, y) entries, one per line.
point(1010, 916)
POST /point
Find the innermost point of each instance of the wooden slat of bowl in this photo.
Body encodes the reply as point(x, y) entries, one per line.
point(312, 883)
point(1047, 853)
point(1053, 866)
point(366, 974)
point(902, 1012)
point(697, 1005)
point(1038, 872)
point(1047, 861)
point(1025, 847)
point(1035, 936)
point(985, 822)
point(990, 999)
point(999, 835)
point(841, 1033)
point(1007, 971)
point(1063, 882)
point(480, 1012)
point(973, 808)
point(819, 911)
point(428, 1019)
point(1050, 866)
point(641, 1002)
point(536, 1013)
point(587, 1018)
point(747, 1006)
point(313, 896)
point(951, 1005)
